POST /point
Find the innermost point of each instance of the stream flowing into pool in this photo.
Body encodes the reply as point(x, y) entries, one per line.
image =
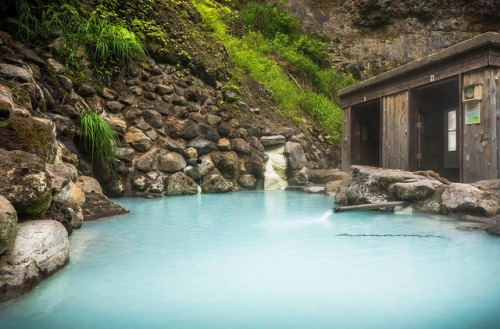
point(266, 260)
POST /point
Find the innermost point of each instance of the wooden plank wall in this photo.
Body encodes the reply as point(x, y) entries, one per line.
point(395, 131)
point(495, 88)
point(346, 139)
point(478, 139)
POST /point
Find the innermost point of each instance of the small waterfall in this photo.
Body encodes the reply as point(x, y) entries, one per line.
point(275, 175)
point(326, 215)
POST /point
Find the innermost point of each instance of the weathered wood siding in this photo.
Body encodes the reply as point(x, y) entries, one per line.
point(395, 131)
point(495, 123)
point(346, 138)
point(479, 140)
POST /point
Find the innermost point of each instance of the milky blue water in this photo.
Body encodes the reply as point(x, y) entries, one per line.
point(266, 260)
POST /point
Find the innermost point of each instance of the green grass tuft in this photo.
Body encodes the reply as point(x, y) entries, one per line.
point(99, 140)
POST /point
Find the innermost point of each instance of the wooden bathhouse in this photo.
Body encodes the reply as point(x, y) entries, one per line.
point(440, 113)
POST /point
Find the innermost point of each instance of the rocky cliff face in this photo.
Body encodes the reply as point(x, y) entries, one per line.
point(368, 37)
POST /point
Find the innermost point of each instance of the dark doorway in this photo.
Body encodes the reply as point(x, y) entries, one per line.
point(437, 128)
point(366, 134)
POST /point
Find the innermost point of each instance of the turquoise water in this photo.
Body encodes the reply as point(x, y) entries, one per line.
point(266, 260)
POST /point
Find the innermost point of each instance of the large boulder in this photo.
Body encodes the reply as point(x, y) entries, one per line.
point(215, 183)
point(198, 171)
point(272, 140)
point(372, 185)
point(153, 118)
point(125, 154)
point(12, 72)
point(492, 186)
point(88, 184)
point(60, 176)
point(146, 162)
point(226, 162)
point(170, 161)
point(248, 181)
point(172, 144)
point(71, 194)
point(6, 102)
point(68, 214)
point(414, 189)
point(8, 227)
point(41, 248)
point(25, 183)
point(34, 135)
point(202, 146)
point(470, 199)
point(299, 177)
point(180, 184)
point(117, 124)
point(295, 155)
point(254, 165)
point(98, 206)
point(190, 130)
point(138, 139)
point(323, 176)
point(240, 146)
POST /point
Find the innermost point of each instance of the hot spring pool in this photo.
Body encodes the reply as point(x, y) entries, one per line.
point(266, 260)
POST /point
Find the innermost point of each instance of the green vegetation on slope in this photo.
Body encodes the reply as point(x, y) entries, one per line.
point(272, 36)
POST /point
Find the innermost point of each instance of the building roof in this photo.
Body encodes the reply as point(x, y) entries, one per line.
point(486, 39)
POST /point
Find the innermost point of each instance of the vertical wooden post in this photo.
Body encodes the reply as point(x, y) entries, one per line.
point(494, 121)
point(460, 126)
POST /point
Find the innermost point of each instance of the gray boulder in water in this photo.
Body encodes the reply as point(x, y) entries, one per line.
point(41, 248)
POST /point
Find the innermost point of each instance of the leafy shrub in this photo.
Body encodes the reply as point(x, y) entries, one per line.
point(99, 140)
point(270, 20)
point(314, 49)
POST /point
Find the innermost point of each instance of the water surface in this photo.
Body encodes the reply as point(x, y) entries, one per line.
point(266, 260)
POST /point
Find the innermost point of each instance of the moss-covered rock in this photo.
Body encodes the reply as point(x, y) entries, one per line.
point(25, 183)
point(33, 135)
point(8, 227)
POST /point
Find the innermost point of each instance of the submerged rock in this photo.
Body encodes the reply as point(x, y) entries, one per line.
point(41, 248)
